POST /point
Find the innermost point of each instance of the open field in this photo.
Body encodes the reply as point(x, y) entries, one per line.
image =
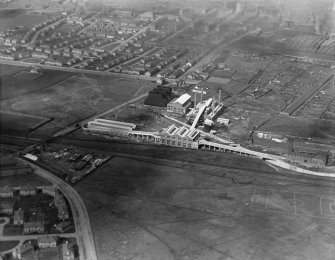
point(305, 128)
point(12, 85)
point(148, 209)
point(7, 245)
point(64, 96)
point(12, 124)
point(10, 18)
point(27, 179)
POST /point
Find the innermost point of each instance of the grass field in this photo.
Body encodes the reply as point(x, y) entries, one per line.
point(7, 245)
point(10, 18)
point(28, 179)
point(64, 96)
point(148, 209)
point(12, 86)
point(11, 124)
point(303, 127)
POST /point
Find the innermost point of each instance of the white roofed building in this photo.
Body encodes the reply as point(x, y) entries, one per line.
point(180, 137)
point(179, 105)
point(105, 126)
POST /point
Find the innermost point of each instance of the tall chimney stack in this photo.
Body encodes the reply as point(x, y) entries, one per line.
point(195, 99)
point(213, 103)
point(219, 100)
point(202, 89)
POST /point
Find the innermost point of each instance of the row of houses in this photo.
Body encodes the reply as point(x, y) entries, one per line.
point(49, 248)
point(8, 192)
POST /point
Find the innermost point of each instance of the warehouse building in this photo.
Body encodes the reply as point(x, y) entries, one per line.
point(180, 137)
point(105, 126)
point(180, 105)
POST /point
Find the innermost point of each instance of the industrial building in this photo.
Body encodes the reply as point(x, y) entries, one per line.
point(105, 126)
point(160, 96)
point(180, 105)
point(180, 137)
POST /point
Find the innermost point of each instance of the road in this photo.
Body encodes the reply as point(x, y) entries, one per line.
point(75, 126)
point(189, 25)
point(35, 236)
point(77, 70)
point(125, 41)
point(33, 40)
point(82, 223)
point(2, 225)
point(212, 55)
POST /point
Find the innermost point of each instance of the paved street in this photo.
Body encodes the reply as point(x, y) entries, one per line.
point(82, 223)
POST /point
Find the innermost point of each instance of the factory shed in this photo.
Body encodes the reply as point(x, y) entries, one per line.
point(180, 137)
point(106, 126)
point(180, 105)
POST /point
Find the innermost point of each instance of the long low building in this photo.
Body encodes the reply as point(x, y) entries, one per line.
point(105, 126)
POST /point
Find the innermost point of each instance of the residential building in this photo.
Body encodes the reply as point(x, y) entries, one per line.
point(6, 192)
point(47, 242)
point(18, 217)
point(49, 190)
point(180, 105)
point(147, 16)
point(24, 252)
point(33, 227)
point(67, 251)
point(63, 212)
point(27, 190)
point(6, 207)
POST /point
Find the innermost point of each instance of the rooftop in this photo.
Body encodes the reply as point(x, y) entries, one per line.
point(183, 99)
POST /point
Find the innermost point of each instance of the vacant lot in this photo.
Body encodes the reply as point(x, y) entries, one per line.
point(147, 209)
point(14, 124)
point(66, 97)
point(10, 18)
point(301, 127)
point(12, 85)
point(28, 179)
point(7, 245)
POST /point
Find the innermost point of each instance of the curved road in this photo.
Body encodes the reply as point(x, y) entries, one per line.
point(81, 219)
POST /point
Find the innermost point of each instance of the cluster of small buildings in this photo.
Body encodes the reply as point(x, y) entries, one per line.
point(60, 203)
point(111, 28)
point(35, 223)
point(48, 247)
point(79, 163)
point(154, 64)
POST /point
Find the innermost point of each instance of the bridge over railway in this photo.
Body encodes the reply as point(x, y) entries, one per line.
point(235, 148)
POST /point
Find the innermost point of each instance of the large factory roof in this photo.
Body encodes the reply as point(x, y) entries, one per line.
point(182, 132)
point(182, 99)
point(111, 124)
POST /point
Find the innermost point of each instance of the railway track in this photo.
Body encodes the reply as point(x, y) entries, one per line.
point(294, 178)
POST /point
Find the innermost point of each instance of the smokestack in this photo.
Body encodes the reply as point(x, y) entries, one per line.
point(195, 99)
point(219, 100)
point(213, 103)
point(202, 89)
